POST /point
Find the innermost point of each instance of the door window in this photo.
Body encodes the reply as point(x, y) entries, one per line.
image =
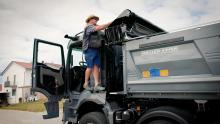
point(49, 55)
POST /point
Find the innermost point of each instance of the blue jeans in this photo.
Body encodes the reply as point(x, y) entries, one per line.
point(92, 57)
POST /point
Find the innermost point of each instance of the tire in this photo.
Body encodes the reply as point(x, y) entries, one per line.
point(161, 121)
point(166, 115)
point(93, 118)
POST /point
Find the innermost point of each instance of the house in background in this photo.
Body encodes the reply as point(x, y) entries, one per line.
point(17, 81)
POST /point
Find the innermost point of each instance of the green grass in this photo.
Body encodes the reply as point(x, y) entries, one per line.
point(36, 106)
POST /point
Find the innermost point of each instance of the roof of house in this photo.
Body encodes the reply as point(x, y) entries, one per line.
point(53, 65)
point(23, 64)
point(29, 65)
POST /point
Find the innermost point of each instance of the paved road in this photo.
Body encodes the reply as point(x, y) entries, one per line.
point(20, 117)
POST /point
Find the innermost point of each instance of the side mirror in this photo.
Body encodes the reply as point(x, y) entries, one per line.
point(75, 38)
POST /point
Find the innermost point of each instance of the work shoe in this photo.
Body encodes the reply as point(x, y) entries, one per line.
point(99, 88)
point(86, 87)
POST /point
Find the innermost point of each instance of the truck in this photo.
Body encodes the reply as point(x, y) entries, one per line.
point(151, 76)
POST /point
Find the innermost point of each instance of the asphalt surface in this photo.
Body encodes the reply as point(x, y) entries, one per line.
point(21, 117)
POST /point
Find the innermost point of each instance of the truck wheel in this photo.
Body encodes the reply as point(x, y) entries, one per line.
point(93, 118)
point(166, 115)
point(162, 121)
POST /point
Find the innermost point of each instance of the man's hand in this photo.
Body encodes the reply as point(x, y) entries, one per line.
point(101, 27)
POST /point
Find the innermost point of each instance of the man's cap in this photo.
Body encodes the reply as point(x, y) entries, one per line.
point(92, 17)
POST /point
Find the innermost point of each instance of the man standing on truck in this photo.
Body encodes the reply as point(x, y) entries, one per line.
point(92, 56)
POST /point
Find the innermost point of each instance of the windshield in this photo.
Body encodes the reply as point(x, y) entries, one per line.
point(76, 57)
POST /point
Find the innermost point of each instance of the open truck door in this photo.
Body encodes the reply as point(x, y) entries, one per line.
point(47, 75)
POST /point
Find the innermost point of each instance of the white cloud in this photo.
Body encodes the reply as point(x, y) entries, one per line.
point(22, 21)
point(173, 15)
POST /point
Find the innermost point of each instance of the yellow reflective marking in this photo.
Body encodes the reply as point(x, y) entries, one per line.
point(146, 74)
point(164, 73)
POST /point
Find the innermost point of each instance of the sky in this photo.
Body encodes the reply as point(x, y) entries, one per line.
point(23, 20)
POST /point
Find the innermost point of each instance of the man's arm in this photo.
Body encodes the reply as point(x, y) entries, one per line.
point(101, 27)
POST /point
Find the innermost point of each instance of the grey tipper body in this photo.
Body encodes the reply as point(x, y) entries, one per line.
point(151, 76)
point(192, 57)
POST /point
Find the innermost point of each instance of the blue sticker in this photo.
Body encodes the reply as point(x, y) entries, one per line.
point(154, 72)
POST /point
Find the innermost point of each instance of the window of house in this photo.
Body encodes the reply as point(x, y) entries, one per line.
point(13, 92)
point(14, 79)
point(7, 78)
